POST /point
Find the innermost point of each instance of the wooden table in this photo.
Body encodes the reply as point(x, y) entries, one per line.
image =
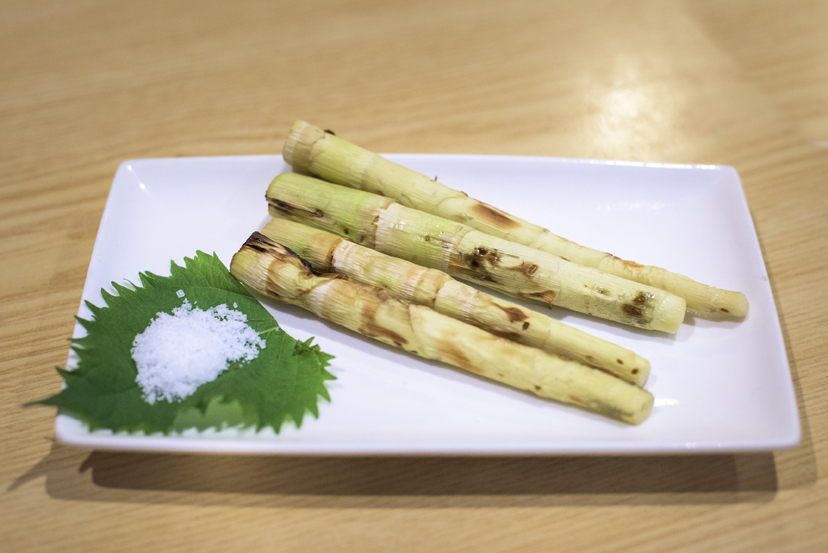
point(85, 85)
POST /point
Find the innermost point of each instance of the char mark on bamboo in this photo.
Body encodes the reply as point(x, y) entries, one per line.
point(456, 357)
point(307, 265)
point(483, 256)
point(637, 307)
point(632, 311)
point(642, 298)
point(515, 314)
point(261, 243)
point(368, 316)
point(480, 258)
point(290, 208)
point(547, 296)
point(329, 131)
point(527, 268)
point(257, 247)
point(474, 265)
point(376, 331)
point(493, 216)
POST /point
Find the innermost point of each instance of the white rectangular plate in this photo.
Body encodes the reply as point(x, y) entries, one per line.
point(719, 386)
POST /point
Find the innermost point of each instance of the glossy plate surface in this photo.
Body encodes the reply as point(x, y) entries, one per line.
point(719, 386)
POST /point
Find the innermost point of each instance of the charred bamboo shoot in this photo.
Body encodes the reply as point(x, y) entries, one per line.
point(409, 282)
point(461, 251)
point(270, 269)
point(311, 149)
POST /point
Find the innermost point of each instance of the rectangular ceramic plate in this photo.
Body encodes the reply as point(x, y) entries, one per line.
point(719, 386)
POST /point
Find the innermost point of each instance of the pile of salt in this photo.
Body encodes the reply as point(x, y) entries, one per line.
point(178, 353)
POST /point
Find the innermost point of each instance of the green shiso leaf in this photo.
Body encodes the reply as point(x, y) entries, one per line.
point(283, 383)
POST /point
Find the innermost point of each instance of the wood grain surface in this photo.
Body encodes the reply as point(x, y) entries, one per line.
point(85, 85)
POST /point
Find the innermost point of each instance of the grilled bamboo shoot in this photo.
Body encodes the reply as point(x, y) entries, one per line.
point(270, 269)
point(431, 241)
point(412, 283)
point(311, 149)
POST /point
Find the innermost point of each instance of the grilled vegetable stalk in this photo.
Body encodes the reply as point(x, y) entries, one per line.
point(335, 160)
point(380, 223)
point(270, 269)
point(408, 282)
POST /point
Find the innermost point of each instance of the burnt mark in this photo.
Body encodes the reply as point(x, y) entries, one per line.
point(620, 362)
point(547, 296)
point(538, 388)
point(634, 371)
point(307, 265)
point(346, 231)
point(526, 325)
point(475, 264)
point(427, 238)
point(261, 243)
point(527, 268)
point(368, 318)
point(636, 307)
point(373, 330)
point(294, 209)
point(576, 399)
point(515, 314)
point(480, 262)
point(493, 216)
point(589, 359)
point(456, 357)
point(641, 298)
point(632, 310)
point(724, 310)
point(257, 247)
point(565, 259)
point(329, 131)
point(481, 257)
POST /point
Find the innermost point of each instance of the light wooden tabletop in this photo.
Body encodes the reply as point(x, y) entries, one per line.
point(85, 85)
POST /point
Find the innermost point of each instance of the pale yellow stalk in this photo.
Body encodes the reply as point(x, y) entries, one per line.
point(311, 149)
point(461, 251)
point(268, 268)
point(409, 282)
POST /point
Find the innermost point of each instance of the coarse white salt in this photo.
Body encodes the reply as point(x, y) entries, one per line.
point(178, 353)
